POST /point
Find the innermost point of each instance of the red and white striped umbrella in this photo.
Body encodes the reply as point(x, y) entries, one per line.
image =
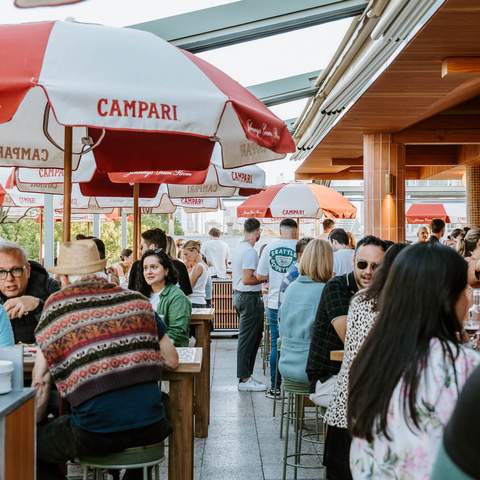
point(134, 98)
point(299, 200)
point(123, 86)
point(43, 3)
point(214, 182)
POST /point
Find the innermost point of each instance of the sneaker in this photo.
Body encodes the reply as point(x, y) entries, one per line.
point(274, 393)
point(251, 385)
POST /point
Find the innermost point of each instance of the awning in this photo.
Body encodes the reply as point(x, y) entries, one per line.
point(421, 213)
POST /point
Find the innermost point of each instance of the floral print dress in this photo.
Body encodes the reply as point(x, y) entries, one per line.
point(411, 453)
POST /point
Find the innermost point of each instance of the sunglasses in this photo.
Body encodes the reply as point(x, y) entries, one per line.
point(363, 264)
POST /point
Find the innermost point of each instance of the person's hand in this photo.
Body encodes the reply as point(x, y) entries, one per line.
point(20, 306)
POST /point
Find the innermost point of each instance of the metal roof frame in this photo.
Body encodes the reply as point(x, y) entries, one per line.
point(246, 20)
point(286, 89)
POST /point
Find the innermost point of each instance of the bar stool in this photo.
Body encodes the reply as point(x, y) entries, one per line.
point(148, 458)
point(266, 344)
point(296, 412)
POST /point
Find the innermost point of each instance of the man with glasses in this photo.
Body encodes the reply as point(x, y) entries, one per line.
point(331, 322)
point(24, 287)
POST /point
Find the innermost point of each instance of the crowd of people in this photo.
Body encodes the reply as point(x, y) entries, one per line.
point(397, 311)
point(103, 335)
point(393, 407)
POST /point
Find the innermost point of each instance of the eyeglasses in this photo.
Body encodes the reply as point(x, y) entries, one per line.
point(363, 264)
point(16, 272)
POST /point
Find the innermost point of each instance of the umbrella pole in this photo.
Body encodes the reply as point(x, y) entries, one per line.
point(67, 184)
point(136, 228)
point(40, 253)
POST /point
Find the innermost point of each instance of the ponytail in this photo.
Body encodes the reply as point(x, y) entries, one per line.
point(469, 242)
point(462, 248)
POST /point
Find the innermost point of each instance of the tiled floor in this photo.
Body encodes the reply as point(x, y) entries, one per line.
point(243, 441)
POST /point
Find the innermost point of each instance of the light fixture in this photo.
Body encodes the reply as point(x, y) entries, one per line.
point(389, 184)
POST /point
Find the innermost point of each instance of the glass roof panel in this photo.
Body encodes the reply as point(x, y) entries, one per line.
point(279, 56)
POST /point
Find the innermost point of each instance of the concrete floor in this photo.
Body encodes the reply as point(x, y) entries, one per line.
point(243, 441)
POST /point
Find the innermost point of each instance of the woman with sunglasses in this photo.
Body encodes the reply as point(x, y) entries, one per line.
point(405, 380)
point(159, 285)
point(361, 315)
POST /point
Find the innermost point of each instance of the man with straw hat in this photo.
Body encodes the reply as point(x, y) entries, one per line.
point(99, 344)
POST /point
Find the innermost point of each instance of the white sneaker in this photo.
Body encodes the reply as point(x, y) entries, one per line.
point(251, 385)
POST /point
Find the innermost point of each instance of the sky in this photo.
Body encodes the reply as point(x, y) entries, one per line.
point(249, 63)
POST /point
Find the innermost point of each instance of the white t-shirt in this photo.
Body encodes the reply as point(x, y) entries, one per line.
point(343, 261)
point(276, 260)
point(217, 253)
point(245, 257)
point(155, 299)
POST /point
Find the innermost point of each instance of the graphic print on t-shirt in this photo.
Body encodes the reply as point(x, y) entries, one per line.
point(281, 259)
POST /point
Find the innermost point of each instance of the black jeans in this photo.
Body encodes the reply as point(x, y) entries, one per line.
point(336, 456)
point(250, 310)
point(59, 441)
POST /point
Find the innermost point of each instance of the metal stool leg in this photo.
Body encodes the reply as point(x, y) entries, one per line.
point(298, 430)
point(276, 378)
point(287, 431)
point(282, 414)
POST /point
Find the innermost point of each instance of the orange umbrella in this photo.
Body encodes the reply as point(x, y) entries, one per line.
point(299, 200)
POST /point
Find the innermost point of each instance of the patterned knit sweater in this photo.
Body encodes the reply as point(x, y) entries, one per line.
point(97, 337)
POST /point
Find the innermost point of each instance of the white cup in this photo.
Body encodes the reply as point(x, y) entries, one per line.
point(6, 371)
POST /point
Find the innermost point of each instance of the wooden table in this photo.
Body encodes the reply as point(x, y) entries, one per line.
point(17, 427)
point(201, 322)
point(336, 355)
point(181, 450)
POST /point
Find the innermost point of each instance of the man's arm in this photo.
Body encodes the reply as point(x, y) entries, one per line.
point(169, 353)
point(19, 306)
point(314, 358)
point(262, 269)
point(249, 277)
point(340, 326)
point(41, 383)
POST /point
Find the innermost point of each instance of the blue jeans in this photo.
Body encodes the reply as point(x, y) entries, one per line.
point(272, 314)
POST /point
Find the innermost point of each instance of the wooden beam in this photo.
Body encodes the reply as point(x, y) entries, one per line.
point(344, 175)
point(349, 162)
point(435, 172)
point(415, 136)
point(461, 66)
point(431, 155)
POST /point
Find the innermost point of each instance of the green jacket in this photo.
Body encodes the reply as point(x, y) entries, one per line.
point(176, 309)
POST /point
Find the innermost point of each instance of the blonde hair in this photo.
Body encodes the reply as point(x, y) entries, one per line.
point(317, 261)
point(192, 245)
point(468, 243)
point(171, 247)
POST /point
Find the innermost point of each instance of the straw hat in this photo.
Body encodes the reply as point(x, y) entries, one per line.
point(78, 257)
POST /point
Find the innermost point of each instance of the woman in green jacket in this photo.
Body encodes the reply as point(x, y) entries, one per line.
point(160, 279)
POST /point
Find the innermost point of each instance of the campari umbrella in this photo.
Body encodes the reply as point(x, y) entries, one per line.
point(297, 200)
point(216, 181)
point(43, 3)
point(61, 75)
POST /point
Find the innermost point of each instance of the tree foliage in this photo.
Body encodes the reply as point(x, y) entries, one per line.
point(26, 232)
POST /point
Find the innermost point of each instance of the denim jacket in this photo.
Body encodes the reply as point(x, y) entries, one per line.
point(297, 314)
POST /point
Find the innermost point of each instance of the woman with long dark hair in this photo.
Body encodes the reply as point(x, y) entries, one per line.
point(406, 378)
point(159, 285)
point(361, 315)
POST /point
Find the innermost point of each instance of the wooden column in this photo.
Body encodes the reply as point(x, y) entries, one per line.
point(384, 187)
point(473, 194)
